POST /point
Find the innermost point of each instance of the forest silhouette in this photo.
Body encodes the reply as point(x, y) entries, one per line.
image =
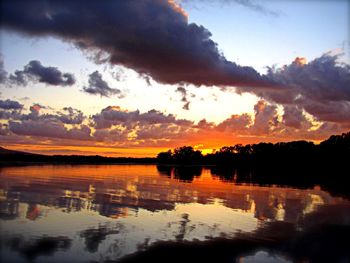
point(296, 163)
point(336, 149)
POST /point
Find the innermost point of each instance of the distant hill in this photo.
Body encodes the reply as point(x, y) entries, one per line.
point(11, 157)
point(4, 151)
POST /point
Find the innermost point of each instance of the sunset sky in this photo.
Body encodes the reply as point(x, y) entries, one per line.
point(132, 78)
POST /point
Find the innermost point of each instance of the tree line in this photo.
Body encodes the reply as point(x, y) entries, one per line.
point(296, 163)
point(336, 148)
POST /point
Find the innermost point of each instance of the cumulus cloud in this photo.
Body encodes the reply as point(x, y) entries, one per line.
point(3, 73)
point(9, 114)
point(97, 86)
point(10, 109)
point(42, 121)
point(114, 115)
point(264, 121)
point(148, 128)
point(118, 74)
point(35, 108)
point(204, 124)
point(4, 129)
point(49, 129)
point(320, 88)
point(157, 41)
point(294, 117)
point(266, 118)
point(184, 99)
point(236, 123)
point(114, 126)
point(10, 105)
point(71, 116)
point(35, 71)
point(67, 115)
point(13, 110)
point(117, 135)
point(161, 131)
point(146, 78)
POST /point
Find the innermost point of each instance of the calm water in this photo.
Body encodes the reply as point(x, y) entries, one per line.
point(135, 213)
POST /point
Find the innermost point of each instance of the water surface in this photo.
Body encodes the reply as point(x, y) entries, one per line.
point(129, 213)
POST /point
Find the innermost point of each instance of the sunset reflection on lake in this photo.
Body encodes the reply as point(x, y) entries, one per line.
point(97, 213)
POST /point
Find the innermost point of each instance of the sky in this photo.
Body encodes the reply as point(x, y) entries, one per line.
point(133, 78)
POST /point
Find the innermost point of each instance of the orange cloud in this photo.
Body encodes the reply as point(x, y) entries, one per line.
point(300, 61)
point(177, 8)
point(117, 132)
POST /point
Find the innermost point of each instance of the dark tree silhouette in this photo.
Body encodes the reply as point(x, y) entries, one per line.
point(296, 163)
point(165, 157)
point(187, 155)
point(187, 173)
point(165, 170)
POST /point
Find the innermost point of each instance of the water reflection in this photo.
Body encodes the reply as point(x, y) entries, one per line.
point(263, 257)
point(34, 248)
point(123, 212)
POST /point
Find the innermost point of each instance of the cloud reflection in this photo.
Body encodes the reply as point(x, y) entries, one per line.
point(132, 212)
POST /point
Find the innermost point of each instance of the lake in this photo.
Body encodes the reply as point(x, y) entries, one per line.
point(145, 213)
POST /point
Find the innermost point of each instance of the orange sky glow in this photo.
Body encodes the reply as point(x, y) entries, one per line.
point(177, 74)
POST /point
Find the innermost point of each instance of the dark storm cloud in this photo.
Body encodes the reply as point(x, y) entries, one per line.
point(323, 79)
point(332, 111)
point(97, 86)
point(35, 71)
point(10, 104)
point(151, 37)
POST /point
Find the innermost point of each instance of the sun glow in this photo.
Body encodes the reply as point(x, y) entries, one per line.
point(300, 61)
